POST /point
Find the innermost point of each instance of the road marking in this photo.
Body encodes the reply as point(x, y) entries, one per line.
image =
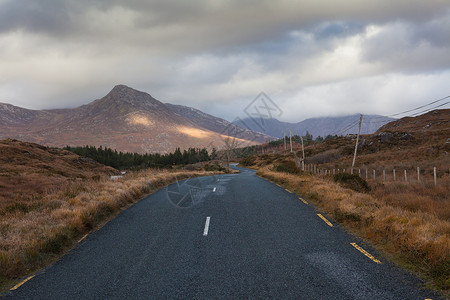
point(365, 253)
point(303, 200)
point(83, 237)
point(325, 220)
point(288, 191)
point(21, 283)
point(214, 189)
point(279, 185)
point(205, 231)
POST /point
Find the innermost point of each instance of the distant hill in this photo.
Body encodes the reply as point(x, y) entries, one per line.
point(436, 120)
point(318, 126)
point(125, 119)
point(217, 124)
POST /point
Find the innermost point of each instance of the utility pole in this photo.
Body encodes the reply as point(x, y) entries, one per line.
point(303, 150)
point(284, 138)
point(357, 141)
point(290, 138)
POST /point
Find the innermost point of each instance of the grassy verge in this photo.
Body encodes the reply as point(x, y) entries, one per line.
point(418, 239)
point(36, 232)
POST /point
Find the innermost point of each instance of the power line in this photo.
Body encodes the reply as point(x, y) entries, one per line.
point(347, 127)
point(417, 108)
point(371, 120)
point(411, 110)
point(433, 108)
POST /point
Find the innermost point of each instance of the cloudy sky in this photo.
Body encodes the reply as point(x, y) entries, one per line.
point(312, 58)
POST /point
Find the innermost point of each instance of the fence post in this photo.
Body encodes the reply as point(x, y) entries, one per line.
point(394, 174)
point(359, 172)
point(418, 174)
point(384, 175)
point(435, 176)
point(374, 174)
point(406, 178)
point(367, 174)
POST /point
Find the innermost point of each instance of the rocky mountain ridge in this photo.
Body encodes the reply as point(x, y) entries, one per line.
point(125, 119)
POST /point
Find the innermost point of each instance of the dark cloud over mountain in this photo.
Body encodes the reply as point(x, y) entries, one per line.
point(311, 57)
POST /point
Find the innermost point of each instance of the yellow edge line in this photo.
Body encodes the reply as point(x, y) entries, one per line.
point(21, 283)
point(325, 220)
point(83, 237)
point(288, 191)
point(365, 253)
point(303, 200)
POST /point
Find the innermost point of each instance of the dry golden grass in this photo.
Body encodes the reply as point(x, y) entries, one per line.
point(409, 224)
point(410, 221)
point(415, 197)
point(35, 231)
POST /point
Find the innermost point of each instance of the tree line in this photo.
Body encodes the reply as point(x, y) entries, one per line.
point(307, 138)
point(127, 160)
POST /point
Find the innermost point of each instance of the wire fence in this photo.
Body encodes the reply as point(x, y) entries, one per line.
point(407, 175)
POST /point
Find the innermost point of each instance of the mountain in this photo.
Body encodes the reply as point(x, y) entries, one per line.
point(217, 124)
point(125, 119)
point(317, 126)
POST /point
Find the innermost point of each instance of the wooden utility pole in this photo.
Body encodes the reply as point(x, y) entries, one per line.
point(303, 150)
point(357, 141)
point(284, 138)
point(290, 138)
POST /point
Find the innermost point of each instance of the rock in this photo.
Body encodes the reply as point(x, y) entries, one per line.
point(384, 137)
point(406, 137)
point(433, 151)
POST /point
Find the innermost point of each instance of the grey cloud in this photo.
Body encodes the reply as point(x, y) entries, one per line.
point(35, 16)
point(436, 31)
point(210, 22)
point(338, 29)
point(406, 47)
point(213, 51)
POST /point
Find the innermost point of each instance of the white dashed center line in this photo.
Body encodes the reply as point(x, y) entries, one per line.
point(214, 189)
point(205, 231)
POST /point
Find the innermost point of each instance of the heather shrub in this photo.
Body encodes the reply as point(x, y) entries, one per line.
point(352, 181)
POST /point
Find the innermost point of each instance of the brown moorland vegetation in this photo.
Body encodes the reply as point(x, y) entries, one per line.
point(408, 220)
point(28, 171)
point(418, 239)
point(49, 198)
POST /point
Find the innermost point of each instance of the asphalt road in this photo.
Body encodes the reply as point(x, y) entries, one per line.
point(226, 236)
